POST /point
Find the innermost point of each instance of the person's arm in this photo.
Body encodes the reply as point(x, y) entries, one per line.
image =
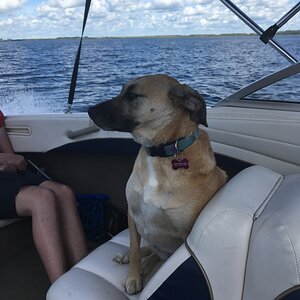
point(9, 161)
point(5, 144)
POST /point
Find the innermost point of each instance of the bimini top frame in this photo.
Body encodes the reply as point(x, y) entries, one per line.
point(266, 37)
point(257, 29)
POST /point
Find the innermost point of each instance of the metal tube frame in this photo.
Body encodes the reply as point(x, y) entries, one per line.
point(288, 15)
point(258, 30)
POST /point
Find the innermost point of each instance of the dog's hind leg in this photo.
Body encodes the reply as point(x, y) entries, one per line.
point(145, 251)
point(149, 261)
point(134, 279)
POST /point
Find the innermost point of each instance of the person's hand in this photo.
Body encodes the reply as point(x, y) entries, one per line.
point(8, 168)
point(13, 159)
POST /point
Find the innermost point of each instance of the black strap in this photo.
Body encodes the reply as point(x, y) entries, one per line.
point(77, 60)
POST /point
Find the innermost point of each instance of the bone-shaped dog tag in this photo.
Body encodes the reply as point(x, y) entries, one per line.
point(180, 163)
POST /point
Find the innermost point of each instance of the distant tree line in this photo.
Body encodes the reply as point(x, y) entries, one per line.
point(285, 32)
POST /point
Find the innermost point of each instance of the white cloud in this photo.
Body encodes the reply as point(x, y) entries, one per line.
point(7, 22)
point(66, 3)
point(51, 18)
point(7, 5)
point(164, 4)
point(99, 8)
point(45, 8)
point(59, 6)
point(194, 11)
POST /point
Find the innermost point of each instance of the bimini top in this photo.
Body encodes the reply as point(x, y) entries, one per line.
point(266, 37)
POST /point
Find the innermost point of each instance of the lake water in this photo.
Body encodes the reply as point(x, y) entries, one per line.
point(35, 74)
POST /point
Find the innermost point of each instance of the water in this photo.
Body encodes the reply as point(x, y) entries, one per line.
point(35, 74)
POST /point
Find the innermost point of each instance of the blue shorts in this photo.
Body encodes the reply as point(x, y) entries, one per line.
point(10, 184)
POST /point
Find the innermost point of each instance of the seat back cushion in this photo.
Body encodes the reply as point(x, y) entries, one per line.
point(220, 237)
point(273, 265)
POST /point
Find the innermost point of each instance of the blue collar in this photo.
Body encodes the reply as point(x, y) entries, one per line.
point(173, 148)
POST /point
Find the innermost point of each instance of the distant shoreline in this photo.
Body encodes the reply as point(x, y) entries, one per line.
point(287, 32)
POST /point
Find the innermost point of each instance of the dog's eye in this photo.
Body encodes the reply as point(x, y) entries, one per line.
point(133, 96)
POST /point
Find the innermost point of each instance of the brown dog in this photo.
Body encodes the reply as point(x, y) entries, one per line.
point(175, 173)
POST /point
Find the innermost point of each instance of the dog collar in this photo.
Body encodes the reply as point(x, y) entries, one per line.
point(173, 148)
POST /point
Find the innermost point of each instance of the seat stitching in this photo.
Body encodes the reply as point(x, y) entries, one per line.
point(294, 252)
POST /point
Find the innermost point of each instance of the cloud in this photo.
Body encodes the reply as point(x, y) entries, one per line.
point(45, 8)
point(194, 11)
point(52, 18)
point(8, 5)
point(7, 22)
point(66, 3)
point(164, 4)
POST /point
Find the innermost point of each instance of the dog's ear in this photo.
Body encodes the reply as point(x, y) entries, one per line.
point(189, 98)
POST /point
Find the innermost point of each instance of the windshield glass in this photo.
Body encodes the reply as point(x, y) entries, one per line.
point(286, 90)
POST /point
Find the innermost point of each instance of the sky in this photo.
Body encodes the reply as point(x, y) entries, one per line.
point(60, 18)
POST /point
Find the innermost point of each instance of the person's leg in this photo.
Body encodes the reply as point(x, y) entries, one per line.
point(41, 204)
point(71, 227)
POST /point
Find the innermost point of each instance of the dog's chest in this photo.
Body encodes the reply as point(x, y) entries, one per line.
point(146, 193)
point(152, 186)
point(150, 198)
point(155, 225)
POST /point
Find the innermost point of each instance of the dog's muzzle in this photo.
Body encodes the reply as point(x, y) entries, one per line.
point(111, 118)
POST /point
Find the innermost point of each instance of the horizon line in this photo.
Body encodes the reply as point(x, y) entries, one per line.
point(152, 36)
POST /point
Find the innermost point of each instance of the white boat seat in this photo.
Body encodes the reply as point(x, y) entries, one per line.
point(249, 230)
point(273, 266)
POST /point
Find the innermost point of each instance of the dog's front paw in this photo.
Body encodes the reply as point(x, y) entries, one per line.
point(122, 258)
point(133, 285)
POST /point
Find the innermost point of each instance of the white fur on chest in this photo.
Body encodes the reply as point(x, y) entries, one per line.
point(150, 187)
point(146, 198)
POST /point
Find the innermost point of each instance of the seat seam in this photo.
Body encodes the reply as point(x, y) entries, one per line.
point(294, 252)
point(264, 204)
point(217, 215)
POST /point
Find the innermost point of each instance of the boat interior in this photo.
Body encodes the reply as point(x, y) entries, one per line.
point(249, 231)
point(101, 162)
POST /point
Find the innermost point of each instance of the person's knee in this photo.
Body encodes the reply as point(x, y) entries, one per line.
point(45, 201)
point(66, 195)
point(34, 200)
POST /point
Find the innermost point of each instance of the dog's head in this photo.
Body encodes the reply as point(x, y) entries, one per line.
point(153, 101)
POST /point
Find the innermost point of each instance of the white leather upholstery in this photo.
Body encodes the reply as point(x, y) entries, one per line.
point(80, 285)
point(274, 254)
point(220, 236)
point(248, 232)
point(99, 267)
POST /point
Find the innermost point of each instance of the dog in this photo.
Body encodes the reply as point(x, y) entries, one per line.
point(175, 173)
